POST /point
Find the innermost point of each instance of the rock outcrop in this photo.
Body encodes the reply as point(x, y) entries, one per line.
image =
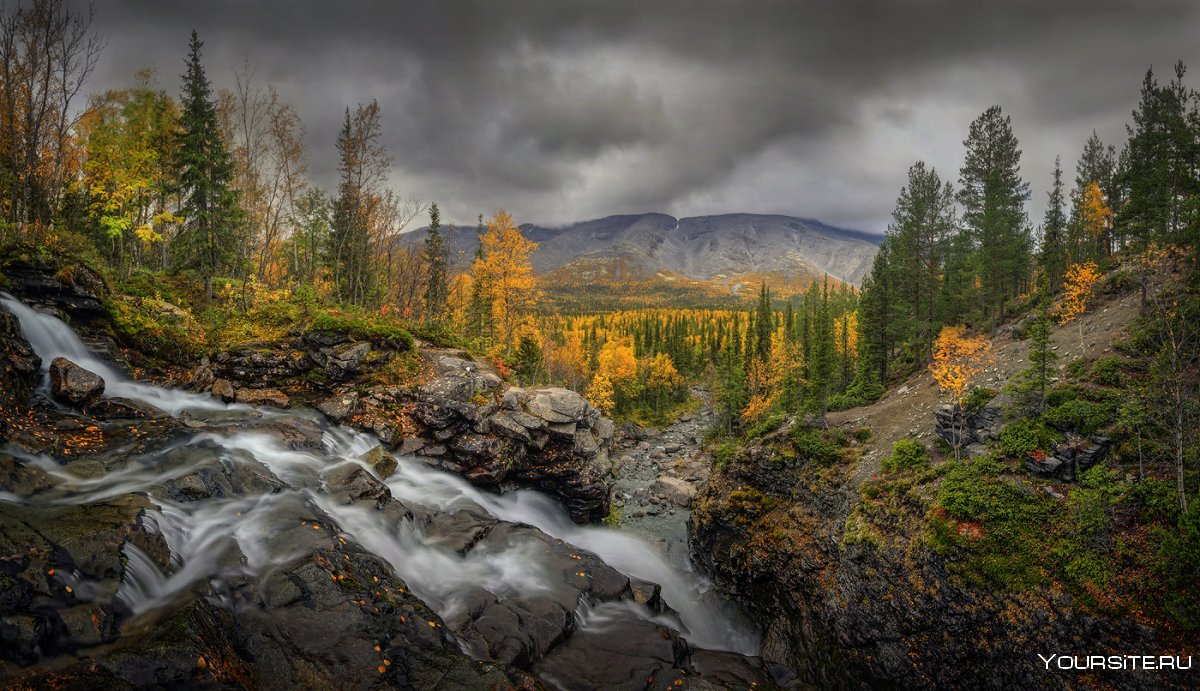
point(549, 439)
point(970, 429)
point(73, 384)
point(19, 370)
point(772, 529)
point(74, 289)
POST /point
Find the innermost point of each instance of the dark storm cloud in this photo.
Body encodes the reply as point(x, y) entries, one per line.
point(564, 110)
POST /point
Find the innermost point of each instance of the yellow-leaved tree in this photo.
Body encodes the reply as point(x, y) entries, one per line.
point(1078, 286)
point(618, 364)
point(662, 378)
point(1096, 216)
point(958, 360)
point(506, 270)
point(600, 394)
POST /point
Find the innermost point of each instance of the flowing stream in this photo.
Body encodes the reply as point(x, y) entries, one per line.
point(218, 537)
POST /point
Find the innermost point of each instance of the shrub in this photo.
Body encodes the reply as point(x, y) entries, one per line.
point(979, 397)
point(1020, 438)
point(1108, 371)
point(814, 446)
point(1077, 367)
point(907, 454)
point(1085, 417)
point(769, 424)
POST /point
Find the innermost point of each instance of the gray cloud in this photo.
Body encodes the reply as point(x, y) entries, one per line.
point(562, 110)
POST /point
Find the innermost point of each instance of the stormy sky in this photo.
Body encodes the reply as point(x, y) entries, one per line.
point(560, 110)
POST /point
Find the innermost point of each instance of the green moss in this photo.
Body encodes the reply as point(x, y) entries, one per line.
point(373, 329)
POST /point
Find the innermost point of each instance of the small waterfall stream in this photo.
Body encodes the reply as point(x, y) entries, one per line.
point(250, 535)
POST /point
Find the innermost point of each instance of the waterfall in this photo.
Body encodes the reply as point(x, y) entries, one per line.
point(252, 535)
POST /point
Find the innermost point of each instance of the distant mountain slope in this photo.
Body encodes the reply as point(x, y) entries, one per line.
point(719, 249)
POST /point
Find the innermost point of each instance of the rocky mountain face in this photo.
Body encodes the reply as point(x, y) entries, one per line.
point(719, 248)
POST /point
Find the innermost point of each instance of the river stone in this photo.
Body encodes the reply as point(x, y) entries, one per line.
point(223, 389)
point(503, 423)
point(557, 405)
point(677, 491)
point(73, 384)
point(353, 483)
point(339, 408)
point(119, 408)
point(381, 461)
point(267, 397)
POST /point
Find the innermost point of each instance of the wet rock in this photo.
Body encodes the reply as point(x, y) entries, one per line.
point(339, 408)
point(73, 384)
point(223, 389)
point(19, 369)
point(200, 378)
point(74, 289)
point(258, 397)
point(625, 654)
point(647, 594)
point(353, 483)
point(460, 530)
point(382, 462)
point(119, 408)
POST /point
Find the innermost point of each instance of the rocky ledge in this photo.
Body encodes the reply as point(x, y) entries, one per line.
point(549, 439)
point(774, 529)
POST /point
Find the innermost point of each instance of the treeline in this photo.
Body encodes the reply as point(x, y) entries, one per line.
point(776, 357)
point(964, 255)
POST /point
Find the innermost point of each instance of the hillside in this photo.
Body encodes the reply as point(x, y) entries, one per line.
point(712, 254)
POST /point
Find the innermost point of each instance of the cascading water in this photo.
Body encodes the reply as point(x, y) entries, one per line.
point(223, 536)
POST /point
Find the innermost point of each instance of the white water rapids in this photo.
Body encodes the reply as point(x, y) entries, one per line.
point(223, 536)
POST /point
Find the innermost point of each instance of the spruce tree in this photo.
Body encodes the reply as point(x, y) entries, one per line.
point(479, 308)
point(993, 197)
point(529, 360)
point(1054, 251)
point(1032, 383)
point(436, 287)
point(209, 235)
point(764, 324)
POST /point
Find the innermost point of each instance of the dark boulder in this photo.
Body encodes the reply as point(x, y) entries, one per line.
point(73, 384)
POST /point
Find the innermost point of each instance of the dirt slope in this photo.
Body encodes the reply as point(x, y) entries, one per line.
point(908, 409)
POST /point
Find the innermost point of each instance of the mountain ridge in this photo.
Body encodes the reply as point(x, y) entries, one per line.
point(718, 248)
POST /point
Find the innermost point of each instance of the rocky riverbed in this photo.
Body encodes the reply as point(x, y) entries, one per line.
point(658, 472)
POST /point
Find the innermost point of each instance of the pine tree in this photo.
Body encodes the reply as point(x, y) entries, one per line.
point(1096, 166)
point(529, 360)
point(479, 307)
point(436, 286)
point(922, 223)
point(764, 324)
point(823, 353)
point(1054, 254)
point(1161, 163)
point(211, 218)
point(1032, 383)
point(993, 197)
point(362, 166)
